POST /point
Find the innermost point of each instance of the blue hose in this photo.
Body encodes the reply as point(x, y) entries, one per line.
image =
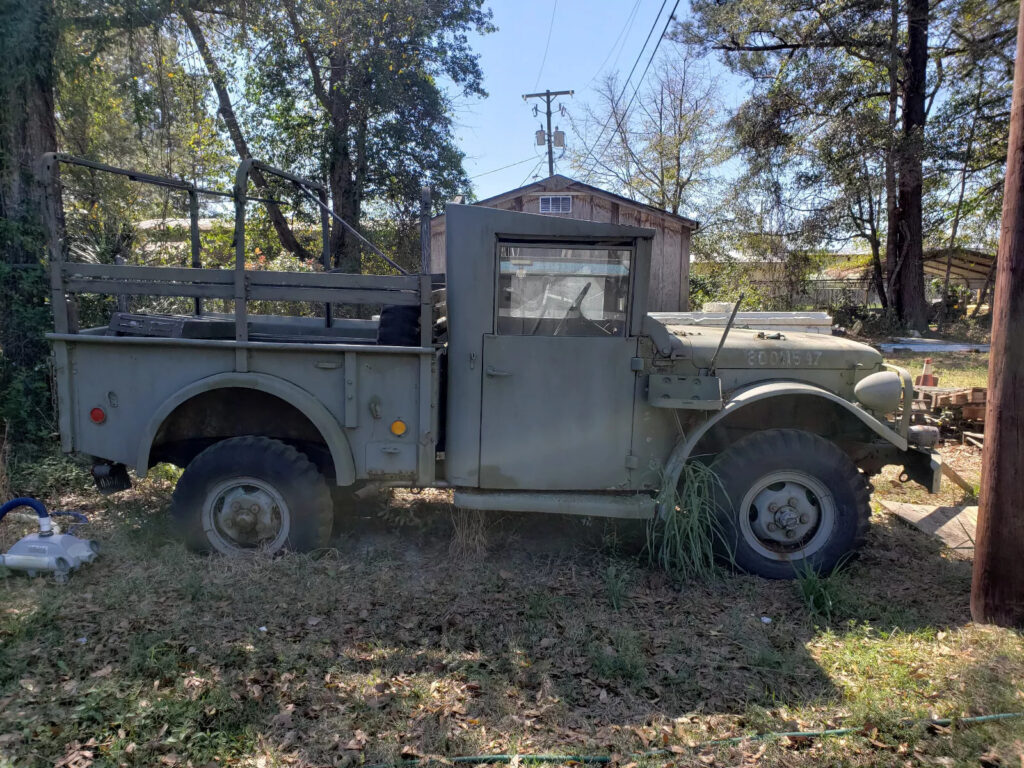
point(77, 516)
point(44, 516)
point(25, 501)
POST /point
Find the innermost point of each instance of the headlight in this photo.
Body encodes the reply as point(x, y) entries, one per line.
point(880, 392)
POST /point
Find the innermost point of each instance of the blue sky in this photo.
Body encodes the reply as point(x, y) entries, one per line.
point(589, 39)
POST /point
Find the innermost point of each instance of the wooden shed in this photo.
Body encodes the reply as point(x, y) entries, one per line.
point(561, 196)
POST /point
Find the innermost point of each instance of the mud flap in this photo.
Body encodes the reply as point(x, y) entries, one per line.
point(924, 467)
point(111, 478)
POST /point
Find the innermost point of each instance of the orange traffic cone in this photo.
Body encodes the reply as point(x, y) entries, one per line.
point(927, 379)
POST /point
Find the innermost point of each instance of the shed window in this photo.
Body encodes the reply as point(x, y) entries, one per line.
point(556, 204)
point(549, 290)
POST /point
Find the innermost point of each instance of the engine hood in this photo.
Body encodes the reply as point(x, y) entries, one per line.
point(751, 349)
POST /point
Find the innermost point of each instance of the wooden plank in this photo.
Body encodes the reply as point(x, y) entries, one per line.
point(157, 274)
point(335, 280)
point(333, 295)
point(979, 394)
point(973, 412)
point(957, 478)
point(145, 288)
point(953, 526)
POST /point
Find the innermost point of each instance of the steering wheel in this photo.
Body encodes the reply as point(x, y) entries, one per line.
point(574, 307)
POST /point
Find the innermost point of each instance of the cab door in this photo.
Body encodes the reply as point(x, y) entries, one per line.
point(558, 380)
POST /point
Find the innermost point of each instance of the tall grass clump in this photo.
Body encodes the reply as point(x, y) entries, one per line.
point(685, 541)
point(822, 594)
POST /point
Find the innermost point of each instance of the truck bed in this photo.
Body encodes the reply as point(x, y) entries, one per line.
point(270, 328)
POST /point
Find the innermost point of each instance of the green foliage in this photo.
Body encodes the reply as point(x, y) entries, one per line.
point(821, 129)
point(25, 411)
point(622, 658)
point(616, 583)
point(684, 542)
point(823, 595)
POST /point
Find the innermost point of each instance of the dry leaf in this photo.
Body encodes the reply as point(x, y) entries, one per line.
point(357, 742)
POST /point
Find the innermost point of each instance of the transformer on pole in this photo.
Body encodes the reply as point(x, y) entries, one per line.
point(554, 138)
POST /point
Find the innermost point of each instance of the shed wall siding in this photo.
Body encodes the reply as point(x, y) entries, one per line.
point(670, 251)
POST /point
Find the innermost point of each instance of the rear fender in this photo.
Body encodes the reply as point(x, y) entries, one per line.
point(331, 432)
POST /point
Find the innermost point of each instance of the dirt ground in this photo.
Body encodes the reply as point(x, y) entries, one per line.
point(424, 635)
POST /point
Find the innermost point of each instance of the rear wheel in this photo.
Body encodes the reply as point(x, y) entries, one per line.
point(790, 500)
point(250, 494)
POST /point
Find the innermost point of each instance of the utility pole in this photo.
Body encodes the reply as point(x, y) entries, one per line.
point(997, 592)
point(549, 97)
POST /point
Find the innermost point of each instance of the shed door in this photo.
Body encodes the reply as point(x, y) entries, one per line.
point(557, 405)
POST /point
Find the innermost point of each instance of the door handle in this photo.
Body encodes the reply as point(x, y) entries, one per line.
point(492, 371)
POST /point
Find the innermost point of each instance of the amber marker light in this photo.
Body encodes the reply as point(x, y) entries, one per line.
point(398, 427)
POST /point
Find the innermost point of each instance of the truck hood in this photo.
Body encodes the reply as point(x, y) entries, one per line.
point(751, 349)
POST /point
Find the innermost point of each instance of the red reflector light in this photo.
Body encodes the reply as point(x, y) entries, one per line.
point(97, 415)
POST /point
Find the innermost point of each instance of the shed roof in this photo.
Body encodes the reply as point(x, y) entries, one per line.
point(559, 183)
point(966, 263)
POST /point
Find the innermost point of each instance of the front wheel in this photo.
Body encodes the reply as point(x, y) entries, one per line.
point(250, 494)
point(789, 500)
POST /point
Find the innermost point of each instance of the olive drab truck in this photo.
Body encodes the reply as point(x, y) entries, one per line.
point(530, 377)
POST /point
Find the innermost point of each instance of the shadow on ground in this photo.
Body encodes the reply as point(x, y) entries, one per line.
point(553, 634)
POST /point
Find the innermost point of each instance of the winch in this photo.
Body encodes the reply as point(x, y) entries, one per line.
point(48, 549)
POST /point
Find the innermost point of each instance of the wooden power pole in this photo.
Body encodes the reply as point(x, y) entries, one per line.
point(997, 594)
point(548, 96)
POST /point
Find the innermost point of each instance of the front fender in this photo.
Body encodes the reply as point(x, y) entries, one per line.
point(752, 394)
point(313, 409)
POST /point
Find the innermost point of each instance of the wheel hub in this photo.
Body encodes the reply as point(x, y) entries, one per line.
point(247, 514)
point(787, 512)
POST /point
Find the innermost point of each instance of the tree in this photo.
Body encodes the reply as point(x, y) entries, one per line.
point(28, 38)
point(821, 72)
point(349, 93)
point(663, 147)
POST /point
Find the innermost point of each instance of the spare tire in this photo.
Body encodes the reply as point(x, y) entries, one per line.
point(399, 326)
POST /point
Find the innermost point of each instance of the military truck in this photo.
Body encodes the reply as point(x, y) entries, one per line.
point(530, 378)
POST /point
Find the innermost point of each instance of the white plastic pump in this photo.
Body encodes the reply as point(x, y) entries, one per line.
point(47, 550)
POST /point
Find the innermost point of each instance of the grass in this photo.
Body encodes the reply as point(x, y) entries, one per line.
point(954, 369)
point(683, 543)
point(388, 645)
point(821, 594)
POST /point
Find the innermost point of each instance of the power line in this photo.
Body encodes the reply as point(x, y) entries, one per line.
point(510, 165)
point(622, 33)
point(639, 82)
point(551, 26)
point(532, 171)
point(639, 56)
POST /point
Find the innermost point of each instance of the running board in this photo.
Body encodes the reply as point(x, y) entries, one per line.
point(635, 506)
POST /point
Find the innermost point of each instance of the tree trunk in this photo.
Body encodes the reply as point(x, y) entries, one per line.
point(891, 161)
point(877, 275)
point(344, 256)
point(27, 44)
point(227, 112)
point(997, 592)
point(910, 297)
